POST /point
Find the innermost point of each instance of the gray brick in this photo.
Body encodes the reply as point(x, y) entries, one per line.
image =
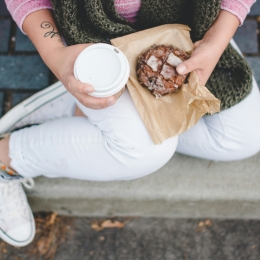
point(1, 103)
point(22, 42)
point(246, 37)
point(3, 9)
point(255, 10)
point(23, 72)
point(254, 62)
point(5, 27)
point(19, 97)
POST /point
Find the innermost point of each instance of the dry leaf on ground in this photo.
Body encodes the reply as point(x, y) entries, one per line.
point(50, 233)
point(107, 224)
point(202, 225)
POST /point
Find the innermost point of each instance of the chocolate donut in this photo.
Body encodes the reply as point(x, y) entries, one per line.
point(156, 69)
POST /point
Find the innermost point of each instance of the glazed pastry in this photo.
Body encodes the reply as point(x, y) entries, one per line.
point(156, 69)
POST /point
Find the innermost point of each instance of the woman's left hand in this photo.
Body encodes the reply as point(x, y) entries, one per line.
point(203, 60)
point(208, 50)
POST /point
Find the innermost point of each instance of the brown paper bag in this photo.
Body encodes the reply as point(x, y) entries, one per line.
point(175, 113)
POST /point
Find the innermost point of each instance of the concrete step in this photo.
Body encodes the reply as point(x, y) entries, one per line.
point(185, 187)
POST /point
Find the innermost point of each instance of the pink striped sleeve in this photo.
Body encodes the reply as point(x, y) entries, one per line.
point(240, 8)
point(128, 8)
point(19, 9)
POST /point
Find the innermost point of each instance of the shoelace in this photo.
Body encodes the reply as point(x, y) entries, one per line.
point(13, 204)
point(27, 183)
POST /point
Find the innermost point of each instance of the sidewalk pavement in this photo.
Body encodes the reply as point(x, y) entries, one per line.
point(72, 238)
point(185, 187)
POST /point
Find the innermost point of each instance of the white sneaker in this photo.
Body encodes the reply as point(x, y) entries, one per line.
point(17, 226)
point(48, 104)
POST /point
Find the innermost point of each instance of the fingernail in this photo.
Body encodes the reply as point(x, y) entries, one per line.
point(89, 89)
point(111, 102)
point(181, 68)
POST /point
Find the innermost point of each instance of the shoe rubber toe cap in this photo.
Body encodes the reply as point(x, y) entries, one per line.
point(23, 233)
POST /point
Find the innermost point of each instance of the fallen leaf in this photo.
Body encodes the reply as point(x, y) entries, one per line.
point(101, 238)
point(41, 246)
point(52, 219)
point(201, 224)
point(107, 224)
point(208, 223)
point(50, 233)
point(96, 227)
point(112, 224)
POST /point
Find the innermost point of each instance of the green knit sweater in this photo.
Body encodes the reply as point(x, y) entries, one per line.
point(97, 21)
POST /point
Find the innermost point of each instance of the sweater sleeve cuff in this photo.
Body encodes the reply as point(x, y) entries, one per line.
point(20, 9)
point(237, 7)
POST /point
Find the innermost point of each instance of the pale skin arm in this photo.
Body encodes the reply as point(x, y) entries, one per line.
point(208, 50)
point(42, 30)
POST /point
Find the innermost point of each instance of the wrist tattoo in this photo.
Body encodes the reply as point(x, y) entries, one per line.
point(50, 33)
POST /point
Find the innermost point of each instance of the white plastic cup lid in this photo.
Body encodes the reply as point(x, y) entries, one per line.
point(103, 66)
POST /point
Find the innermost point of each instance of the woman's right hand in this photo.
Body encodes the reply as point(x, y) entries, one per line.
point(62, 65)
point(41, 28)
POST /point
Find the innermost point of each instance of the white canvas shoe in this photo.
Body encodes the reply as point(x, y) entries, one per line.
point(48, 104)
point(17, 226)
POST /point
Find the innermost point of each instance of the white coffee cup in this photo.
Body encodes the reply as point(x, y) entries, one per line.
point(104, 67)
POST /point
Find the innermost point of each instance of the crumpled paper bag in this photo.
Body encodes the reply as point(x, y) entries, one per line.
point(175, 113)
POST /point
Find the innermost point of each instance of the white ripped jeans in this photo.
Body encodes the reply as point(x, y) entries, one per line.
point(113, 144)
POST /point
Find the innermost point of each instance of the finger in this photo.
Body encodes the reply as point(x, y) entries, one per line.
point(74, 85)
point(82, 90)
point(95, 102)
point(188, 65)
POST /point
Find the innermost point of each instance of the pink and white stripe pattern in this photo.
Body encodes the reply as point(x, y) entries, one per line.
point(19, 9)
point(128, 9)
point(240, 8)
